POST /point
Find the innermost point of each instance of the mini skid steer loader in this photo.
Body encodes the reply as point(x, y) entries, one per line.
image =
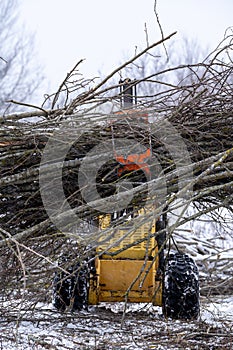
point(130, 264)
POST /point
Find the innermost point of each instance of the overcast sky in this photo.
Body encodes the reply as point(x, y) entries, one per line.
point(105, 31)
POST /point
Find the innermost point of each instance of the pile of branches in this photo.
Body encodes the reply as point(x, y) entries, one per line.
point(200, 113)
point(190, 136)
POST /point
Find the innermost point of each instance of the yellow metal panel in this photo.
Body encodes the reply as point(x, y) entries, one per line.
point(133, 254)
point(124, 241)
point(132, 297)
point(117, 276)
point(113, 278)
point(120, 274)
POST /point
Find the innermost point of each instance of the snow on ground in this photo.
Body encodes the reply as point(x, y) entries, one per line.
point(24, 326)
point(218, 311)
point(103, 327)
point(209, 242)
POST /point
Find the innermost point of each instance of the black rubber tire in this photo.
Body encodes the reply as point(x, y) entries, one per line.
point(70, 290)
point(180, 298)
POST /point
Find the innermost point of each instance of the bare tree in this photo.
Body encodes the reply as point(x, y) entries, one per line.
point(19, 75)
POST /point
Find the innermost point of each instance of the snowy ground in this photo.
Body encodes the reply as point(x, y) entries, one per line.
point(103, 328)
point(28, 326)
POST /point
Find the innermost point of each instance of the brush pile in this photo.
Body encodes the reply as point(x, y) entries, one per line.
point(194, 120)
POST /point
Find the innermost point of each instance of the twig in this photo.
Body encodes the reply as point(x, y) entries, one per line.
point(29, 105)
point(69, 74)
point(160, 27)
point(3, 59)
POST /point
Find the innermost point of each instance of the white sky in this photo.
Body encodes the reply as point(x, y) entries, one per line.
point(105, 31)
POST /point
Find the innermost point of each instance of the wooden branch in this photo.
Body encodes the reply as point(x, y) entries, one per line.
point(69, 74)
point(28, 105)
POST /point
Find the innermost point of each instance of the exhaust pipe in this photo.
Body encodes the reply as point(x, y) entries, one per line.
point(128, 93)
